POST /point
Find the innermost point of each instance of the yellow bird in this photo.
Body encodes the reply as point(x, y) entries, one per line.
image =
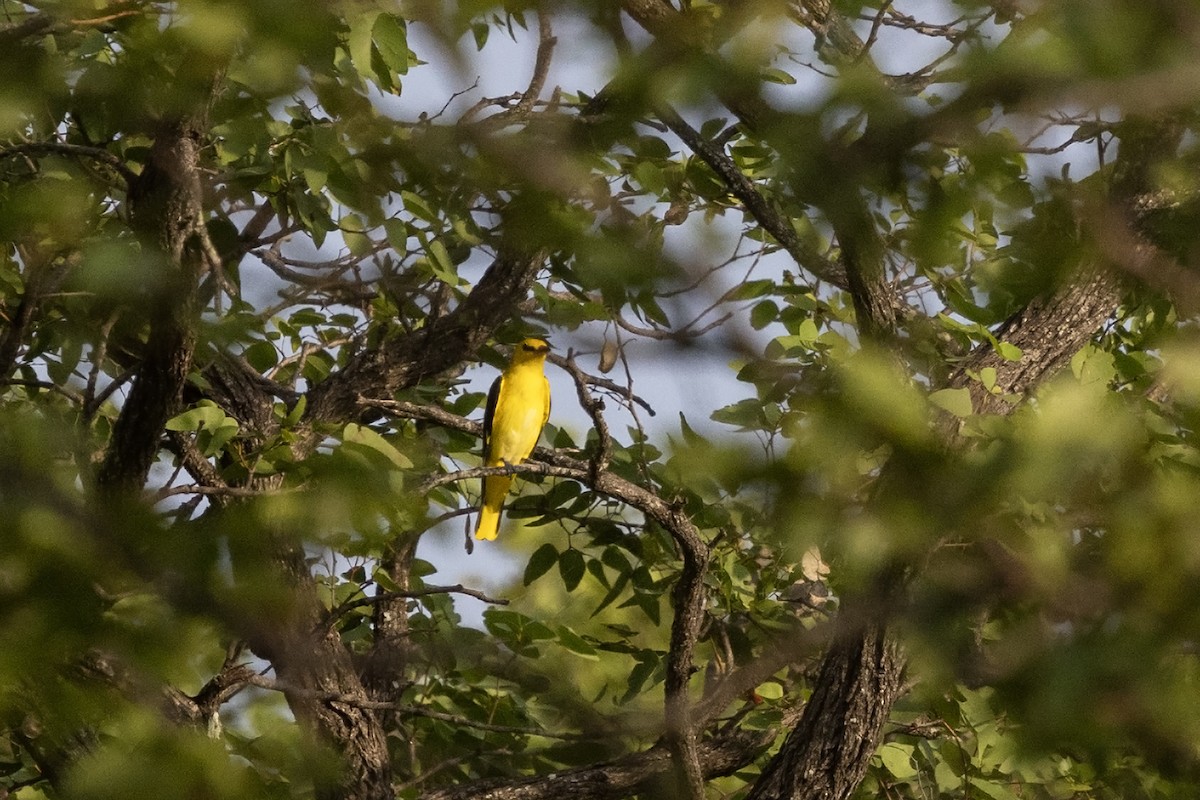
point(518, 406)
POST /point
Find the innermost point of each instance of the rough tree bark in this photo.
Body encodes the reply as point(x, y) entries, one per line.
point(165, 208)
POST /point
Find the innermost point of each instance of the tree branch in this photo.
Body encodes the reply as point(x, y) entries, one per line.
point(99, 154)
point(621, 778)
point(165, 209)
point(405, 360)
point(775, 223)
point(687, 599)
point(595, 409)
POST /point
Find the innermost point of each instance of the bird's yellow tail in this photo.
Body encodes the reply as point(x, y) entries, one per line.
point(495, 488)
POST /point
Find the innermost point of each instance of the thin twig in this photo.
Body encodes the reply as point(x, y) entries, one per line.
point(788, 648)
point(417, 711)
point(74, 397)
point(263, 682)
point(625, 393)
point(876, 24)
point(523, 104)
point(679, 335)
point(541, 66)
point(359, 602)
point(752, 200)
point(99, 354)
point(525, 467)
point(220, 491)
point(429, 773)
point(595, 409)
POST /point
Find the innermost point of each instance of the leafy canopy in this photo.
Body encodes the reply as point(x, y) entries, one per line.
point(941, 251)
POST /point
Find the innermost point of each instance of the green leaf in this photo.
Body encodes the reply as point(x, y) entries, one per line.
point(391, 40)
point(690, 436)
point(206, 414)
point(744, 413)
point(750, 290)
point(261, 355)
point(516, 630)
point(576, 644)
point(571, 567)
point(616, 560)
point(898, 759)
point(617, 588)
point(774, 75)
point(297, 412)
point(540, 562)
point(443, 266)
point(397, 235)
point(994, 790)
point(763, 314)
point(771, 690)
point(1092, 365)
point(315, 178)
point(360, 436)
point(596, 570)
point(1009, 352)
point(955, 401)
point(807, 332)
point(359, 42)
point(415, 205)
point(480, 32)
point(353, 233)
point(647, 665)
point(648, 602)
point(213, 440)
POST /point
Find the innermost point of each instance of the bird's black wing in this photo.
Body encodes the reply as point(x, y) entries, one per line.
point(489, 412)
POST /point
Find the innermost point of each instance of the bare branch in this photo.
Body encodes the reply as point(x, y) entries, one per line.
point(636, 774)
point(774, 222)
point(221, 491)
point(66, 392)
point(165, 202)
point(623, 392)
point(32, 25)
point(111, 160)
point(222, 687)
point(466, 722)
point(786, 649)
point(43, 276)
point(595, 409)
point(541, 67)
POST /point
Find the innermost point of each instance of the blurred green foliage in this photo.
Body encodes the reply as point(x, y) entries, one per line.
point(1052, 621)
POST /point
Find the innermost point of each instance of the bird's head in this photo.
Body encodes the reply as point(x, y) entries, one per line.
point(531, 350)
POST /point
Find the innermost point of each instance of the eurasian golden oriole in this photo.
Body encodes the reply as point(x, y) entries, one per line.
point(518, 406)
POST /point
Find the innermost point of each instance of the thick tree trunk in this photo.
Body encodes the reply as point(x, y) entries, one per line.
point(165, 209)
point(284, 622)
point(826, 754)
